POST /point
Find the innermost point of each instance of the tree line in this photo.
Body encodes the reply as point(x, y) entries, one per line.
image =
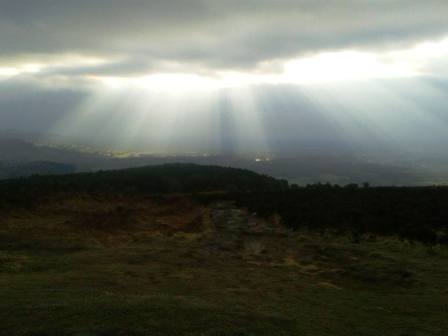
point(414, 213)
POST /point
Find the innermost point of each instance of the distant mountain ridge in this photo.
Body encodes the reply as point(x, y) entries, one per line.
point(9, 171)
point(23, 157)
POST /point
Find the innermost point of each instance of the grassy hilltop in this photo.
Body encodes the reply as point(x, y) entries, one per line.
point(102, 254)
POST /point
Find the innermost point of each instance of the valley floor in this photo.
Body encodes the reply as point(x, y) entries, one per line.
point(168, 266)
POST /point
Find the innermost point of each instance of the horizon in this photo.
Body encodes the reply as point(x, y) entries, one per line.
point(367, 80)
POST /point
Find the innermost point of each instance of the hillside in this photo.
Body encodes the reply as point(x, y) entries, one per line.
point(133, 265)
point(8, 171)
point(415, 213)
point(167, 178)
point(202, 250)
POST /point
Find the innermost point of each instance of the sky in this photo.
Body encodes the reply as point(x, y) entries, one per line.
point(204, 75)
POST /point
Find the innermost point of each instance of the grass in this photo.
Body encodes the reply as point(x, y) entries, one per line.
point(118, 266)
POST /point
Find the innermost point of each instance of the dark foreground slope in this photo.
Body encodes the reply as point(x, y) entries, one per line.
point(178, 250)
point(133, 264)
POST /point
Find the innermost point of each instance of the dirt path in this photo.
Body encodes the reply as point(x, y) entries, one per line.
point(240, 232)
point(228, 218)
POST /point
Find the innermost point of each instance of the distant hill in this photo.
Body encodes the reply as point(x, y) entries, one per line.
point(19, 151)
point(302, 168)
point(167, 178)
point(8, 171)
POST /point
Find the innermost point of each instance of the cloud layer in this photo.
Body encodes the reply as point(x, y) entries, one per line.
point(138, 36)
point(54, 54)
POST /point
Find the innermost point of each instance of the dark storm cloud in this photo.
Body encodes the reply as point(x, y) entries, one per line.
point(143, 36)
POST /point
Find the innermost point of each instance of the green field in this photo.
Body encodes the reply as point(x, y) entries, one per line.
point(88, 265)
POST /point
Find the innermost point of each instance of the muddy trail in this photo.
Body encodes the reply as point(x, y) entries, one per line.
point(229, 219)
point(237, 231)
